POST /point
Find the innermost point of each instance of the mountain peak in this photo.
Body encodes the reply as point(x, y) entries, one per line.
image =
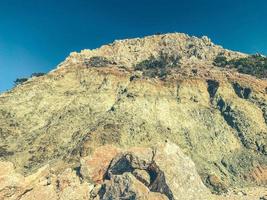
point(130, 52)
point(149, 112)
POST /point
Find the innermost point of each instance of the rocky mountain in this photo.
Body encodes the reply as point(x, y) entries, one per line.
point(146, 118)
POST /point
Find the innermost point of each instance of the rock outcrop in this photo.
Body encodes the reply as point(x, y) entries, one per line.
point(135, 94)
point(45, 184)
point(159, 173)
point(162, 172)
point(129, 53)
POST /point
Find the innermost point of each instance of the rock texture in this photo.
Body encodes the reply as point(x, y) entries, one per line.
point(140, 173)
point(44, 184)
point(159, 173)
point(130, 52)
point(106, 96)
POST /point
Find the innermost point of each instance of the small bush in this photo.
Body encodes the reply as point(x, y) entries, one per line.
point(98, 61)
point(158, 67)
point(19, 81)
point(150, 63)
point(220, 61)
point(255, 65)
point(38, 74)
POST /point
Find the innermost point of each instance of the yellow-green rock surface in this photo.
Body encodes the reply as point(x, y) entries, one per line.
point(216, 116)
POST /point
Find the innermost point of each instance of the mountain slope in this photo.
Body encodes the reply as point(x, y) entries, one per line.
point(140, 92)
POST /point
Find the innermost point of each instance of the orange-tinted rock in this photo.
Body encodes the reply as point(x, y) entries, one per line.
point(217, 184)
point(11, 183)
point(41, 193)
point(42, 185)
point(259, 174)
point(71, 187)
point(95, 166)
point(164, 172)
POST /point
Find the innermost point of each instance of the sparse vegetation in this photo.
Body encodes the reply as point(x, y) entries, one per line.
point(158, 67)
point(19, 81)
point(38, 74)
point(220, 61)
point(255, 65)
point(98, 61)
point(5, 152)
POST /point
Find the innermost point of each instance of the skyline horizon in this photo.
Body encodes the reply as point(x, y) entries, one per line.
point(148, 35)
point(35, 36)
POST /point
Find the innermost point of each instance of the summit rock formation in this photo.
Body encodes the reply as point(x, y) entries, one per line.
point(144, 118)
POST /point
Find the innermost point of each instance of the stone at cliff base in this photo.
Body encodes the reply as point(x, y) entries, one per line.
point(94, 167)
point(163, 171)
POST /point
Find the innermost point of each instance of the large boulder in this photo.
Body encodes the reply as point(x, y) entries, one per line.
point(160, 173)
point(163, 172)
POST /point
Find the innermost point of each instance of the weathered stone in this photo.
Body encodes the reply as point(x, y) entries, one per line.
point(142, 175)
point(217, 184)
point(259, 174)
point(217, 116)
point(95, 167)
point(41, 185)
point(126, 186)
point(164, 170)
point(180, 173)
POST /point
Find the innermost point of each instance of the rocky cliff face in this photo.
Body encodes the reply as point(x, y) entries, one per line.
point(135, 94)
point(130, 52)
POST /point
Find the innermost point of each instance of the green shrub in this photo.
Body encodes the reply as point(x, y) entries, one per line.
point(38, 74)
point(19, 81)
point(98, 61)
point(158, 67)
point(255, 65)
point(220, 61)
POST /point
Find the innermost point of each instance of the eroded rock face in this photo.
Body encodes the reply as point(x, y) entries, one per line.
point(133, 51)
point(98, 97)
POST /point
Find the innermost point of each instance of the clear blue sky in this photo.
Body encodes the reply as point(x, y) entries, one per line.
point(36, 35)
